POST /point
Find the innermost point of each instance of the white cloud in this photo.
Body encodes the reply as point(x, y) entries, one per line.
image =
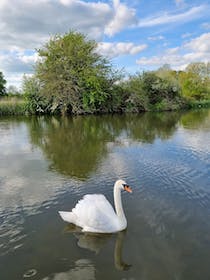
point(15, 61)
point(27, 24)
point(157, 61)
point(123, 17)
point(112, 50)
point(165, 18)
point(197, 49)
point(200, 44)
point(206, 25)
point(156, 38)
point(30, 23)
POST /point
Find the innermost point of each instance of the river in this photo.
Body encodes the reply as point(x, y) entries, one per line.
point(48, 163)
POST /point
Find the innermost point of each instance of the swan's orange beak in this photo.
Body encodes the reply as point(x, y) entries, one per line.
point(127, 189)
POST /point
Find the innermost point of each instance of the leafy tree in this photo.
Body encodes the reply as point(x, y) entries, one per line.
point(74, 75)
point(13, 90)
point(2, 85)
point(196, 84)
point(199, 68)
point(193, 86)
point(158, 88)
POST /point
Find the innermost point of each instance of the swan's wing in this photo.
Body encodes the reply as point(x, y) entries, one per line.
point(95, 213)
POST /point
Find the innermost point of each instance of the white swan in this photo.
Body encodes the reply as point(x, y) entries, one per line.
point(94, 213)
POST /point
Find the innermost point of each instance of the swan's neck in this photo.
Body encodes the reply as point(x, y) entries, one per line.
point(118, 206)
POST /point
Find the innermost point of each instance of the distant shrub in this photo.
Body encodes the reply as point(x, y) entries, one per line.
point(35, 102)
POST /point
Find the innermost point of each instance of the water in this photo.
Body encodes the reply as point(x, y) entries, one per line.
point(47, 164)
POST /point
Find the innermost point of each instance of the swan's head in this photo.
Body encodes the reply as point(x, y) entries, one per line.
point(122, 185)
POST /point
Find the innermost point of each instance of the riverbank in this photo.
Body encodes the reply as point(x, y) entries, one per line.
point(12, 106)
point(17, 106)
point(62, 84)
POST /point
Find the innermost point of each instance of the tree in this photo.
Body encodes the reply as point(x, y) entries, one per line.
point(197, 81)
point(2, 85)
point(199, 68)
point(158, 88)
point(74, 75)
point(13, 90)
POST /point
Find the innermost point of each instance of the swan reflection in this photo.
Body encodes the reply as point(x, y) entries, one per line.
point(96, 241)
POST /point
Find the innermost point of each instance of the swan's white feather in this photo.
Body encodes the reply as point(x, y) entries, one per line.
point(94, 213)
point(68, 217)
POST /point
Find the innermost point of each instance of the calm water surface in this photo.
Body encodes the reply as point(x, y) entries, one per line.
point(47, 164)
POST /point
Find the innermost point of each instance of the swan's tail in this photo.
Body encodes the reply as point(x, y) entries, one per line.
point(68, 216)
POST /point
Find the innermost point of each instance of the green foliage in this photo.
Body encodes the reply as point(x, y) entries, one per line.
point(35, 102)
point(73, 75)
point(72, 78)
point(166, 89)
point(135, 98)
point(199, 104)
point(193, 88)
point(2, 85)
point(195, 82)
point(12, 106)
point(200, 69)
point(156, 90)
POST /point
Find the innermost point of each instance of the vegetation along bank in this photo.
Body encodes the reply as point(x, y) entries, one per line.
point(70, 77)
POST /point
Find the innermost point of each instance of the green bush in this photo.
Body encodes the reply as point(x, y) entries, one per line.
point(35, 102)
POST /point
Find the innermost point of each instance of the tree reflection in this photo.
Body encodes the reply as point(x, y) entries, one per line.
point(151, 125)
point(75, 146)
point(196, 119)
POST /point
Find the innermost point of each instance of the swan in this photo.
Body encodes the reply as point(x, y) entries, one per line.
point(94, 213)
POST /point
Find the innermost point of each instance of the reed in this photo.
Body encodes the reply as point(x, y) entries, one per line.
point(12, 106)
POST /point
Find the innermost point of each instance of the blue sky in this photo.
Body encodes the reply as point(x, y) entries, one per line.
point(135, 35)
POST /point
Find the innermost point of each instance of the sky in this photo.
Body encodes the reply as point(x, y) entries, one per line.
point(134, 35)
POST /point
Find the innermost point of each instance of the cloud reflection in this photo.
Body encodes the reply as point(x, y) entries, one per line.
point(83, 270)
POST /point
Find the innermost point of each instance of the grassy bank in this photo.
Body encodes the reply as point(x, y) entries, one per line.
point(199, 104)
point(12, 106)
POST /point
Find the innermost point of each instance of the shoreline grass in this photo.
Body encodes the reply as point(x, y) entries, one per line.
point(199, 104)
point(12, 106)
